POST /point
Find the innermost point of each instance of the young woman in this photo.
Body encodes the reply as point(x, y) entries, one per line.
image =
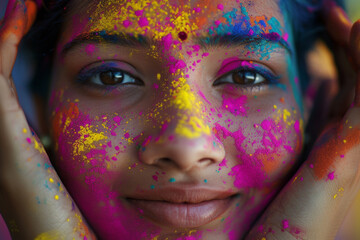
point(176, 120)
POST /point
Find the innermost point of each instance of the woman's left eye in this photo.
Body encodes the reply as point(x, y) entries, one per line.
point(242, 77)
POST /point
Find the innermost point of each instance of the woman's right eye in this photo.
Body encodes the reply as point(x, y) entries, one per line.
point(107, 77)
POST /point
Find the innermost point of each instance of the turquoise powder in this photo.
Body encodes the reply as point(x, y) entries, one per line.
point(172, 180)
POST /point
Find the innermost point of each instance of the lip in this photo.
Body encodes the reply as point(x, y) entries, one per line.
point(182, 207)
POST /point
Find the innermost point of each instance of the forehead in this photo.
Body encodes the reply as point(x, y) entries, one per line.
point(157, 19)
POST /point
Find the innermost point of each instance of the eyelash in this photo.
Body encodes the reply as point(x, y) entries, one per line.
point(85, 75)
point(269, 77)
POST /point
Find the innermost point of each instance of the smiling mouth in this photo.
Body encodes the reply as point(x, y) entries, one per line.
point(193, 208)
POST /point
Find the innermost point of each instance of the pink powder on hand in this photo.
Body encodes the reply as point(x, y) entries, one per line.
point(331, 176)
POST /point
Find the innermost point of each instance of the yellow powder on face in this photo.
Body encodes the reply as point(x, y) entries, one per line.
point(174, 18)
point(189, 125)
point(86, 140)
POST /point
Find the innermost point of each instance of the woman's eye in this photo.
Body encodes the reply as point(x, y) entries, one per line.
point(247, 78)
point(111, 78)
point(242, 77)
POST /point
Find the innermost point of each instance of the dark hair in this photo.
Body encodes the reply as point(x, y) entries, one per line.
point(305, 19)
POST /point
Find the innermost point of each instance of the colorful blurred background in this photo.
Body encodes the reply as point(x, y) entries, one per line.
point(21, 82)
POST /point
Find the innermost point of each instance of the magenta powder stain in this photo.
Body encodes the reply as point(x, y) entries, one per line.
point(220, 7)
point(28, 140)
point(331, 175)
point(297, 126)
point(90, 48)
point(139, 12)
point(126, 23)
point(117, 119)
point(143, 22)
point(155, 86)
point(285, 224)
point(197, 9)
point(155, 178)
point(236, 106)
point(127, 135)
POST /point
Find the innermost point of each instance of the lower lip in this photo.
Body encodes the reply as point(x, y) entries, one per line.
point(182, 215)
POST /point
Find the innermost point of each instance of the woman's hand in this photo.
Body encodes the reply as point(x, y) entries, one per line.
point(314, 203)
point(33, 201)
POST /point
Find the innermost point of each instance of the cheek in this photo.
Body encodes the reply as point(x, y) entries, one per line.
point(263, 138)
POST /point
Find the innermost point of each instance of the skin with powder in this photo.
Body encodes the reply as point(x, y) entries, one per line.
point(174, 120)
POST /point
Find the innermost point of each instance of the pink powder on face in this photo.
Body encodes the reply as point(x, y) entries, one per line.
point(197, 9)
point(155, 178)
point(220, 7)
point(126, 135)
point(90, 48)
point(232, 63)
point(143, 22)
point(203, 97)
point(236, 106)
point(297, 126)
point(117, 119)
point(28, 140)
point(139, 12)
point(126, 23)
point(217, 22)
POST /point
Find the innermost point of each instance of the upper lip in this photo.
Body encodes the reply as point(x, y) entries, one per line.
point(182, 194)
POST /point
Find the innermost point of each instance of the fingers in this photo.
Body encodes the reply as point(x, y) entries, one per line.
point(19, 17)
point(355, 49)
point(337, 22)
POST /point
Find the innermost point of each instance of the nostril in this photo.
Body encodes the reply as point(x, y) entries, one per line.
point(164, 160)
point(205, 161)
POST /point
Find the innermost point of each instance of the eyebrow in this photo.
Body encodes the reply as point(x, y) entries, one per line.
point(206, 43)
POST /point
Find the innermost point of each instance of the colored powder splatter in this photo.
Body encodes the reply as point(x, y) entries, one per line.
point(331, 175)
point(90, 49)
point(87, 139)
point(51, 235)
point(236, 106)
point(327, 154)
point(285, 224)
point(172, 180)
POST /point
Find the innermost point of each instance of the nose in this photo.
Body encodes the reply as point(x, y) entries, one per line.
point(172, 150)
point(185, 140)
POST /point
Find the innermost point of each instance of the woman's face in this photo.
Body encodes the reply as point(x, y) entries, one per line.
point(175, 119)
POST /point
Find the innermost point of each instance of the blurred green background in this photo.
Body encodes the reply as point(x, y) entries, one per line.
point(353, 7)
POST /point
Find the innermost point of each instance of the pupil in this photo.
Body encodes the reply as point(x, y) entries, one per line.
point(111, 78)
point(244, 77)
